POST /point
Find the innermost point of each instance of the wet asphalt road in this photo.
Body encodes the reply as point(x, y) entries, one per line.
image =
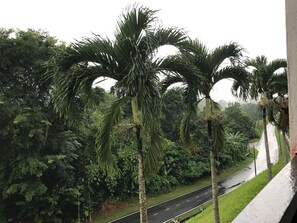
point(175, 207)
point(261, 165)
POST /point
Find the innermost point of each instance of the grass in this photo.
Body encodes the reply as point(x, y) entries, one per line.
point(125, 208)
point(284, 150)
point(228, 211)
point(246, 192)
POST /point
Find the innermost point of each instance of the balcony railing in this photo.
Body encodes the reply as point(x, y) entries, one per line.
point(277, 202)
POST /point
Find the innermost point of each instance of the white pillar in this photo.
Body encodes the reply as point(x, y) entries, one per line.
point(291, 27)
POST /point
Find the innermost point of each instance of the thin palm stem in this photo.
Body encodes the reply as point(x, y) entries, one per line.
point(269, 169)
point(141, 178)
point(213, 175)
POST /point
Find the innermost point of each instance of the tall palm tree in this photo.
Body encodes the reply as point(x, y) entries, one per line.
point(200, 69)
point(263, 82)
point(280, 102)
point(282, 123)
point(129, 60)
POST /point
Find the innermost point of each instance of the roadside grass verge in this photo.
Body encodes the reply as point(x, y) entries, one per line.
point(284, 150)
point(128, 207)
point(234, 202)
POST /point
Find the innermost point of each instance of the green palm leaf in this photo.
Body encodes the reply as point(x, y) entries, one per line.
point(72, 87)
point(156, 150)
point(218, 135)
point(185, 133)
point(232, 52)
point(236, 73)
point(96, 50)
point(103, 140)
point(279, 83)
point(241, 89)
point(197, 53)
point(134, 21)
point(171, 36)
point(263, 78)
point(276, 64)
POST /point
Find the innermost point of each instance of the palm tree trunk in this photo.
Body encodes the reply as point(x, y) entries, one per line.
point(267, 146)
point(286, 147)
point(213, 176)
point(141, 177)
point(212, 163)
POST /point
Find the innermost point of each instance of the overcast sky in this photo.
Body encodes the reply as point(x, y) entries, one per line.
point(257, 25)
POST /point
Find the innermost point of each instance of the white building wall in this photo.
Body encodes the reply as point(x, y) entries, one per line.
point(291, 27)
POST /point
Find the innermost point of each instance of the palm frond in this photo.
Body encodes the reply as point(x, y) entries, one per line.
point(175, 68)
point(170, 36)
point(150, 102)
point(264, 79)
point(272, 68)
point(169, 80)
point(185, 132)
point(96, 50)
point(196, 47)
point(134, 21)
point(218, 134)
point(279, 84)
point(73, 87)
point(258, 63)
point(167, 65)
point(276, 64)
point(155, 151)
point(191, 95)
point(240, 89)
point(103, 139)
point(196, 52)
point(231, 51)
point(237, 73)
point(135, 35)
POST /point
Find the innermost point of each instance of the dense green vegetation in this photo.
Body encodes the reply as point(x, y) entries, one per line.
point(69, 148)
point(48, 168)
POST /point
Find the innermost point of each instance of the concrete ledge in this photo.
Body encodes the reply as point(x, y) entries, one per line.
point(277, 202)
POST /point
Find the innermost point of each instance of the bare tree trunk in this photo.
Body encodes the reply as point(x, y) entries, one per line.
point(141, 178)
point(213, 176)
point(269, 169)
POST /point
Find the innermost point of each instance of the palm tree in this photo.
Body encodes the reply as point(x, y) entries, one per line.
point(129, 60)
point(263, 81)
point(201, 70)
point(282, 123)
point(280, 102)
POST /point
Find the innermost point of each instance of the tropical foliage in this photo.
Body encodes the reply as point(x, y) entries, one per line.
point(129, 60)
point(199, 70)
point(239, 121)
point(38, 154)
point(69, 149)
